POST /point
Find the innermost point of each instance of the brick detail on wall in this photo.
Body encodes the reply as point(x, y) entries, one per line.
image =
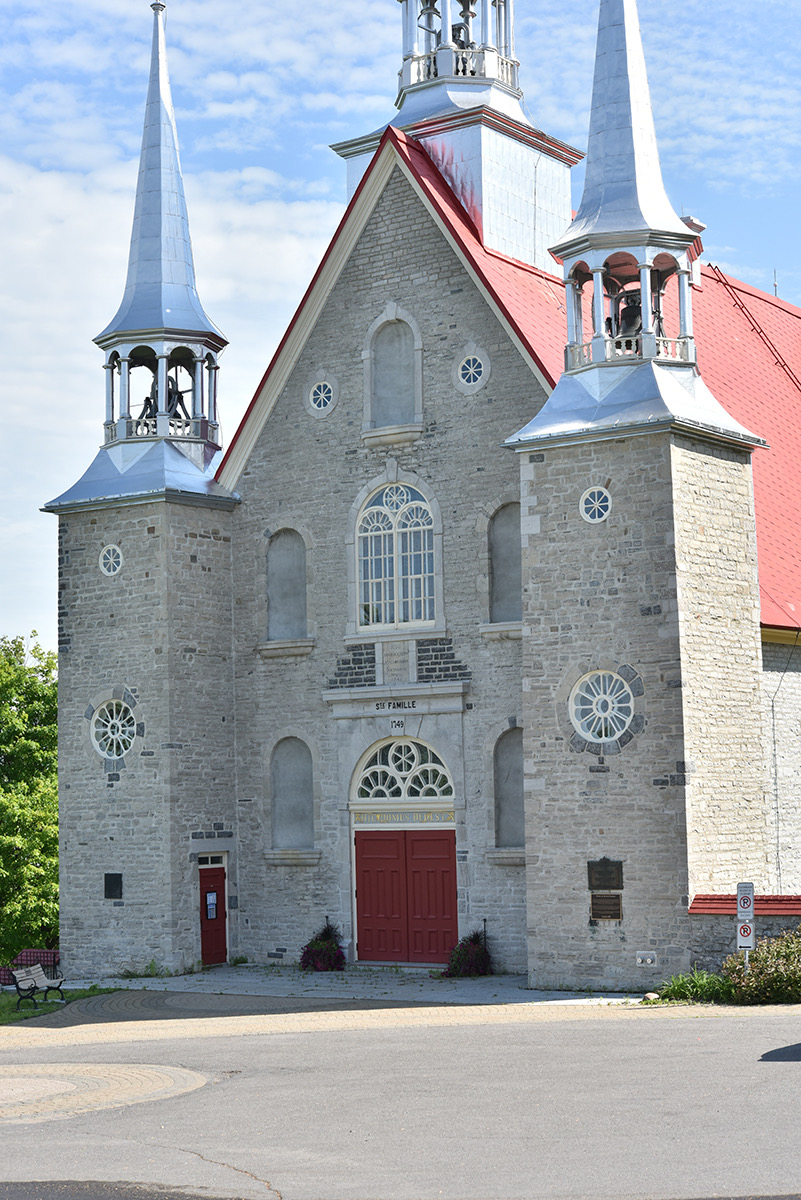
point(356, 668)
point(437, 662)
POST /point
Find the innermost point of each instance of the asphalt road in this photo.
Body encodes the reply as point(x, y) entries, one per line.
point(411, 1104)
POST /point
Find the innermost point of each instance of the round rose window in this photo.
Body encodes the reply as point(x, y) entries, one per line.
point(113, 729)
point(601, 706)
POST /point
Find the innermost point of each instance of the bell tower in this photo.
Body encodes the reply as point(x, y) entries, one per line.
point(145, 662)
point(641, 613)
point(459, 96)
point(161, 334)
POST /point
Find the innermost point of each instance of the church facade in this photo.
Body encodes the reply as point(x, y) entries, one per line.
point(480, 621)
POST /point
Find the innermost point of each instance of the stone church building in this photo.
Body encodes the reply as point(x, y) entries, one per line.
point(481, 620)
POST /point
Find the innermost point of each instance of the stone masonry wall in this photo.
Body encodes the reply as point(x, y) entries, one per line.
point(714, 937)
point(729, 825)
point(124, 636)
point(782, 706)
point(306, 474)
point(602, 597)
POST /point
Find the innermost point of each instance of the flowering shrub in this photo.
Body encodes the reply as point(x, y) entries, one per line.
point(323, 951)
point(470, 956)
point(774, 971)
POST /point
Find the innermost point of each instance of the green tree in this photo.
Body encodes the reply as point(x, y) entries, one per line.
point(28, 797)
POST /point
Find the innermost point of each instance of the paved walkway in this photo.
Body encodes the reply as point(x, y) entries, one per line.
point(391, 985)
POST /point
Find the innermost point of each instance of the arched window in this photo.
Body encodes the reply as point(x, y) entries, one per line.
point(404, 770)
point(395, 547)
point(286, 586)
point(510, 829)
point(506, 575)
point(393, 376)
point(291, 778)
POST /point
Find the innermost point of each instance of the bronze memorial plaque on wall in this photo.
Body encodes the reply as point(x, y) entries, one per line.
point(606, 907)
point(605, 875)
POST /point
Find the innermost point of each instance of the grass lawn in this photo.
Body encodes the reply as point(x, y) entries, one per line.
point(8, 1003)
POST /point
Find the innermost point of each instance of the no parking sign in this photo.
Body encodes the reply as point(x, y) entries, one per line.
point(745, 935)
point(745, 901)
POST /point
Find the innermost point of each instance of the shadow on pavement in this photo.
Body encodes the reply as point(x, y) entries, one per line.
point(143, 1005)
point(783, 1054)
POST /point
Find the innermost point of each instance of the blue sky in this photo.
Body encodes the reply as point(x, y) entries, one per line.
point(261, 90)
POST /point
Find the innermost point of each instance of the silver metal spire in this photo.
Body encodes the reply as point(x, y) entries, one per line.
point(160, 291)
point(623, 190)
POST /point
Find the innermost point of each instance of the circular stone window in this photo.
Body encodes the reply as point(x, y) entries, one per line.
point(320, 395)
point(601, 706)
point(110, 560)
point(113, 729)
point(595, 505)
point(471, 370)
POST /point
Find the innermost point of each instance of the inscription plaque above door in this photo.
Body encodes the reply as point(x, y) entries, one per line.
point(395, 656)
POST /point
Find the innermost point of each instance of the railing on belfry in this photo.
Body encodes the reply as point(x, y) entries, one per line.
point(147, 427)
point(671, 349)
point(675, 348)
point(625, 347)
point(579, 355)
point(465, 63)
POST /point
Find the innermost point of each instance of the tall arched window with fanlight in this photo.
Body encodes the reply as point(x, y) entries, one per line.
point(395, 548)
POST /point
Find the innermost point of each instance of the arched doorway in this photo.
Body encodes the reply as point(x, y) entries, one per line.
point(405, 855)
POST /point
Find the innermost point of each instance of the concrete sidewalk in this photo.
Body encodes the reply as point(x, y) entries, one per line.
point(400, 985)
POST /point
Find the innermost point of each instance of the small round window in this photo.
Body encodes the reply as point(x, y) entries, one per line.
point(595, 505)
point(471, 370)
point(601, 706)
point(321, 396)
point(113, 729)
point(110, 560)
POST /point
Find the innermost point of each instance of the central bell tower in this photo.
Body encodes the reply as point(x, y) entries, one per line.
point(459, 96)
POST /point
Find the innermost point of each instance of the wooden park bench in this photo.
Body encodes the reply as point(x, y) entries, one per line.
point(32, 979)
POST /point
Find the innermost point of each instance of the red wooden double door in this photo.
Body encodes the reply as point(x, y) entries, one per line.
point(406, 895)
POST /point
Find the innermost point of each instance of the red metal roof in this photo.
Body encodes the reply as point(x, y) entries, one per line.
point(764, 906)
point(749, 352)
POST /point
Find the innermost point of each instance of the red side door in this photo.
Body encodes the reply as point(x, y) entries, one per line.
point(213, 945)
point(431, 887)
point(406, 895)
point(381, 897)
